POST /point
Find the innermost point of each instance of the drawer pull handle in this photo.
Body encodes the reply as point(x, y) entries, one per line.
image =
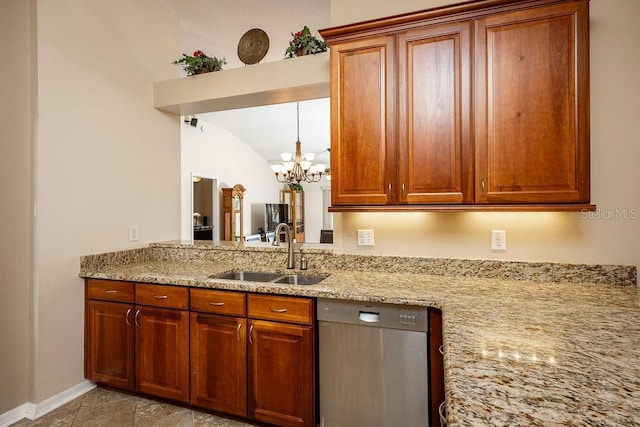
point(278, 310)
point(216, 304)
point(238, 331)
point(160, 296)
point(442, 411)
point(126, 317)
point(441, 349)
point(109, 291)
point(250, 333)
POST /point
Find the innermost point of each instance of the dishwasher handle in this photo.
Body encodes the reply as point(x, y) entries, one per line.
point(369, 317)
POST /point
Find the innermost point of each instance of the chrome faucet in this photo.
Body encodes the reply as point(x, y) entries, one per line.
point(276, 242)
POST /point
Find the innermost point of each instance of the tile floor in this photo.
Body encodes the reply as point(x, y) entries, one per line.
point(107, 408)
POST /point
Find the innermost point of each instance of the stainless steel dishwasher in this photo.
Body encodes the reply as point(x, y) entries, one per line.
point(373, 367)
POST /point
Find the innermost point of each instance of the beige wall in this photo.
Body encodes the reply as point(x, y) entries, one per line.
point(16, 49)
point(609, 236)
point(106, 158)
point(350, 11)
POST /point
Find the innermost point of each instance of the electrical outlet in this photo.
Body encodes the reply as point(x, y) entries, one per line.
point(498, 240)
point(365, 238)
point(133, 233)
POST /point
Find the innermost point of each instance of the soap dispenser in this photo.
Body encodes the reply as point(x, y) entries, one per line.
point(303, 261)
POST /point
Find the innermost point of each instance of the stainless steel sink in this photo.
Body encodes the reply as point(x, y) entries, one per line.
point(249, 276)
point(262, 276)
point(300, 279)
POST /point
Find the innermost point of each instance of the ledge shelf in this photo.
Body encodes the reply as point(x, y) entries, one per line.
point(288, 80)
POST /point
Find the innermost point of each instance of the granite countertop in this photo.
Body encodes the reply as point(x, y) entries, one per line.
point(516, 352)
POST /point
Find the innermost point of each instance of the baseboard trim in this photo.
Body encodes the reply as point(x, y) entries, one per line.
point(34, 411)
point(13, 415)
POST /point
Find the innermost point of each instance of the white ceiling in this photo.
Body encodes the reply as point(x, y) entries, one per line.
point(216, 26)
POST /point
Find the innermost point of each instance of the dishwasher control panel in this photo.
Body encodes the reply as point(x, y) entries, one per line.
point(395, 316)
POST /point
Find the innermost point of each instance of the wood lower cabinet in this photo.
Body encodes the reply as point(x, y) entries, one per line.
point(122, 336)
point(281, 375)
point(162, 352)
point(109, 344)
point(436, 366)
point(248, 355)
point(219, 350)
point(282, 360)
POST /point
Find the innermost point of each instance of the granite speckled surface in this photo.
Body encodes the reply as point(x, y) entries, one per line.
point(542, 350)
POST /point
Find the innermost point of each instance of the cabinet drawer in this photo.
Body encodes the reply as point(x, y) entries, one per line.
point(110, 290)
point(283, 309)
point(219, 302)
point(162, 296)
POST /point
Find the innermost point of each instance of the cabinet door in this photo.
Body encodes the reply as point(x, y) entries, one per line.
point(532, 107)
point(363, 170)
point(281, 373)
point(162, 352)
point(436, 365)
point(435, 163)
point(109, 344)
point(219, 363)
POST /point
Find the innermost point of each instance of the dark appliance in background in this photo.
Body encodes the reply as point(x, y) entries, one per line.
point(275, 213)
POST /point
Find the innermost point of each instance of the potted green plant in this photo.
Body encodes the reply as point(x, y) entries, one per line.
point(303, 43)
point(199, 63)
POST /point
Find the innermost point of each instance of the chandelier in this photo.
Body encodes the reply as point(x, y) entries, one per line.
point(297, 167)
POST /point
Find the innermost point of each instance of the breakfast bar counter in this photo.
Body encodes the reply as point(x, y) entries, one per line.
point(524, 343)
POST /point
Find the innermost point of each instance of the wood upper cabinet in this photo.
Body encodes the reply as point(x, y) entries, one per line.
point(477, 106)
point(400, 118)
point(434, 133)
point(363, 150)
point(532, 106)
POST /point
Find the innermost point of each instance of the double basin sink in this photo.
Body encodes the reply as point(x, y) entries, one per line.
point(261, 276)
